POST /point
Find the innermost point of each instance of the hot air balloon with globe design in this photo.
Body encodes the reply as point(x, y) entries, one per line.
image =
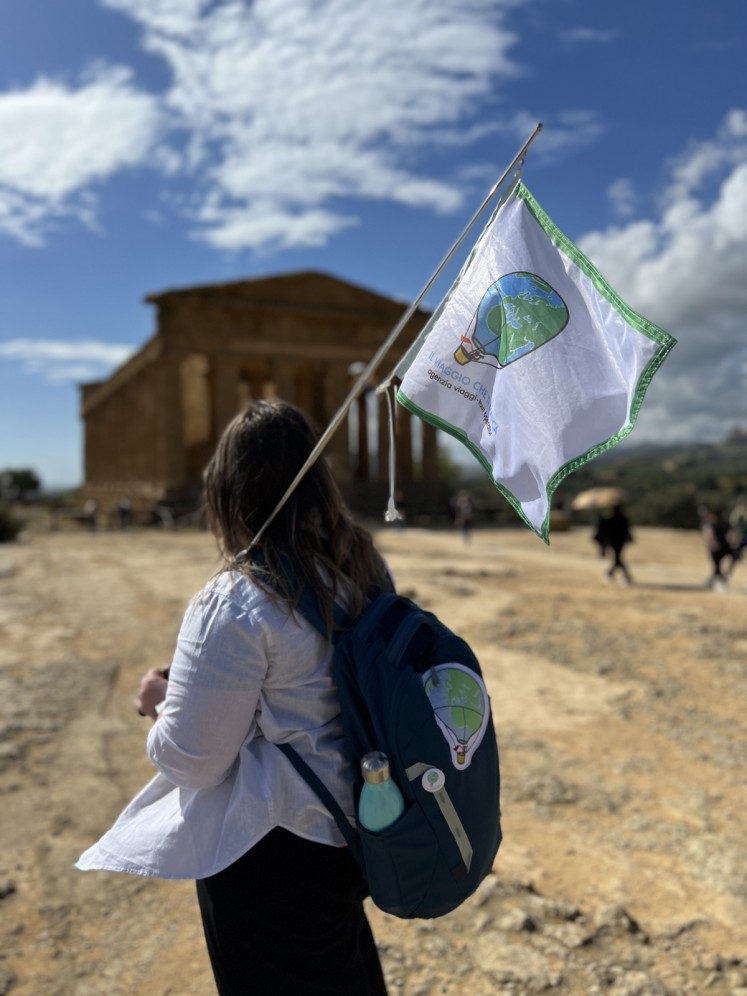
point(460, 704)
point(517, 314)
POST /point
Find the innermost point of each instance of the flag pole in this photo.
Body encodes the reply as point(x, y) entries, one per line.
point(369, 370)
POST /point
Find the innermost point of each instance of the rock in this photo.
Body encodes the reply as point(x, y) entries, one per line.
point(7, 981)
point(638, 984)
point(7, 888)
point(617, 920)
point(485, 890)
point(481, 921)
point(570, 935)
point(508, 963)
point(517, 920)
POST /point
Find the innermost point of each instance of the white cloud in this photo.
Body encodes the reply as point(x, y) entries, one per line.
point(568, 131)
point(55, 141)
point(701, 160)
point(685, 270)
point(280, 112)
point(267, 224)
point(72, 373)
point(623, 197)
point(172, 17)
point(291, 107)
point(73, 361)
point(584, 35)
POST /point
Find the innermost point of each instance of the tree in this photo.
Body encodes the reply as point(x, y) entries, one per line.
point(19, 485)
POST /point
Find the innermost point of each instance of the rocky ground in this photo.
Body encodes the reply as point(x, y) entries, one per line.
point(622, 721)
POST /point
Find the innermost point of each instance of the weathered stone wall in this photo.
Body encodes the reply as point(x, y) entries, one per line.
point(121, 438)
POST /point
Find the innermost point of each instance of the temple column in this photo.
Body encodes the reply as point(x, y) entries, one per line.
point(338, 449)
point(259, 378)
point(362, 468)
point(284, 378)
point(304, 390)
point(224, 391)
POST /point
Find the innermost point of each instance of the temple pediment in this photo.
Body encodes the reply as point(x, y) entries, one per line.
point(306, 289)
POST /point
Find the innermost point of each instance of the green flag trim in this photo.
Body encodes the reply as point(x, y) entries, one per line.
point(633, 318)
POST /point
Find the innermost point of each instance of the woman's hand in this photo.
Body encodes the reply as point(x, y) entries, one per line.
point(152, 692)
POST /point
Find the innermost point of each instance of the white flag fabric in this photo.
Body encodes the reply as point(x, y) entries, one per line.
point(532, 360)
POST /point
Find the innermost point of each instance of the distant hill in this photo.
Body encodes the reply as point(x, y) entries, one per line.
point(665, 484)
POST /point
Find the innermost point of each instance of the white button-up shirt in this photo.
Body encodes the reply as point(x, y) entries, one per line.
point(247, 674)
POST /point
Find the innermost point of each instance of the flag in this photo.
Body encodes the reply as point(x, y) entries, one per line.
point(532, 360)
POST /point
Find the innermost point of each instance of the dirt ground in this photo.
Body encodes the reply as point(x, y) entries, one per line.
point(622, 721)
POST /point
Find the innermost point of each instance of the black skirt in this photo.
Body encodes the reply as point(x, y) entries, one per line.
point(287, 919)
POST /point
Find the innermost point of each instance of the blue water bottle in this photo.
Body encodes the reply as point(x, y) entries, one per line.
point(381, 802)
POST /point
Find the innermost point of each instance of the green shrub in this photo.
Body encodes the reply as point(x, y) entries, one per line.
point(10, 527)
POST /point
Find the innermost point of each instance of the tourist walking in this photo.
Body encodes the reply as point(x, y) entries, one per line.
point(461, 511)
point(613, 533)
point(715, 530)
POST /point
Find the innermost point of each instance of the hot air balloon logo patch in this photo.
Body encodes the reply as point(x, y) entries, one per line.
point(461, 706)
point(517, 314)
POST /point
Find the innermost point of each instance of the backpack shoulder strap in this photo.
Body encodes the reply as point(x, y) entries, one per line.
point(308, 606)
point(315, 783)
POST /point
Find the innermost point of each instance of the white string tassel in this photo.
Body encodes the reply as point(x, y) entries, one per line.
point(391, 514)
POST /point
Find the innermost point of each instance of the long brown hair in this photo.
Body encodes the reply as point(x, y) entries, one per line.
point(257, 458)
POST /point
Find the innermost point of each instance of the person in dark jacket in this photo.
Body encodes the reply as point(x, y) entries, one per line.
point(614, 533)
point(715, 531)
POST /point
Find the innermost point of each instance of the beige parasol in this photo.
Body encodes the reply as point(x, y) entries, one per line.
point(598, 498)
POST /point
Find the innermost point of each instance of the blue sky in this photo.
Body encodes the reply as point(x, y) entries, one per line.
point(153, 144)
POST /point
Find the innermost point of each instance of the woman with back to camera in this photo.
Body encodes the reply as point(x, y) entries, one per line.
point(279, 893)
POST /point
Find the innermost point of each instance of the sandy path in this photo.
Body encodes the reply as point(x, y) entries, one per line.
point(622, 721)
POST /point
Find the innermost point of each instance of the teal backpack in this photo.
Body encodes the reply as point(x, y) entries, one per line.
point(411, 688)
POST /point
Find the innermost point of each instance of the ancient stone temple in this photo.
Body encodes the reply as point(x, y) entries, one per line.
point(151, 427)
